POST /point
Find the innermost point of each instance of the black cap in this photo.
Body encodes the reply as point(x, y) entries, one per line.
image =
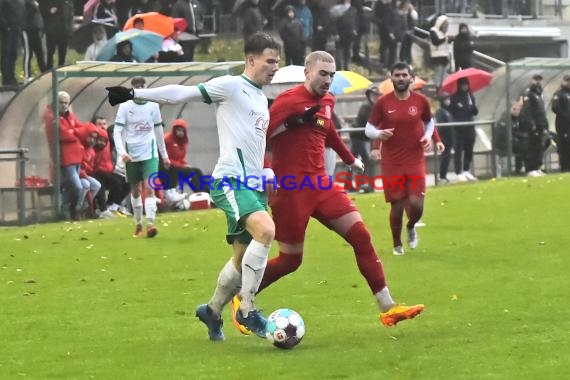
point(138, 81)
point(537, 77)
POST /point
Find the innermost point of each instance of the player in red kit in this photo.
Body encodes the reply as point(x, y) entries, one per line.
point(300, 127)
point(406, 127)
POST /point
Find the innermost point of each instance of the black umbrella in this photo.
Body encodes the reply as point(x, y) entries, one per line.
point(83, 37)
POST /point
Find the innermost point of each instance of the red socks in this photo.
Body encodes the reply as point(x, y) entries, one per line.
point(368, 262)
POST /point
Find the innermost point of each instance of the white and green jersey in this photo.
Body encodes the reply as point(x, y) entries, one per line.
point(139, 120)
point(242, 117)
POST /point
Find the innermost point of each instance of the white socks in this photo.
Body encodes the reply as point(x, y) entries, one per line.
point(229, 284)
point(384, 299)
point(150, 209)
point(252, 267)
point(137, 208)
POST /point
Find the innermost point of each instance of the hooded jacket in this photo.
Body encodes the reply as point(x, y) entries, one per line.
point(177, 147)
point(463, 48)
point(439, 47)
point(103, 157)
point(88, 162)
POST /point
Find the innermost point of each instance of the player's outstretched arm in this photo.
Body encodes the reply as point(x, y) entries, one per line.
point(169, 94)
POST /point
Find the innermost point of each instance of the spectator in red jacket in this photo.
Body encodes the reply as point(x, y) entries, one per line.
point(104, 173)
point(88, 135)
point(177, 142)
point(70, 151)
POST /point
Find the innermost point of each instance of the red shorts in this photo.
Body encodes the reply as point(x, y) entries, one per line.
point(292, 210)
point(400, 182)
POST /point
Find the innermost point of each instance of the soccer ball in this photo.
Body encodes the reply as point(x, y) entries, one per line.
point(285, 328)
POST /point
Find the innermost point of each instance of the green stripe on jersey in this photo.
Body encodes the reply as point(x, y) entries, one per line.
point(250, 82)
point(240, 156)
point(204, 93)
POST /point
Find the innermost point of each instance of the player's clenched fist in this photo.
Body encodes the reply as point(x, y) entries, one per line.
point(119, 94)
point(306, 117)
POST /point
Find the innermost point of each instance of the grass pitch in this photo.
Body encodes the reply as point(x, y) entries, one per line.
point(87, 301)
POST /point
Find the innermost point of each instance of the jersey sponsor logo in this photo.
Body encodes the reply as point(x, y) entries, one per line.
point(413, 110)
point(261, 125)
point(141, 127)
point(328, 111)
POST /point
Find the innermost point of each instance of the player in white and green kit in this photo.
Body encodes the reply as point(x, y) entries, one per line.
point(242, 118)
point(144, 138)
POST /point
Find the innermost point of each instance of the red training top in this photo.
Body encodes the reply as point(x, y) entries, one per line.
point(407, 117)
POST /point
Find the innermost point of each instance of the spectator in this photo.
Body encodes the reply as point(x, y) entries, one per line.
point(321, 26)
point(71, 150)
point(106, 13)
point(191, 11)
point(171, 50)
point(99, 40)
point(410, 18)
point(90, 186)
point(439, 49)
point(177, 142)
point(344, 17)
point(463, 108)
point(112, 182)
point(359, 143)
point(32, 37)
point(252, 18)
point(447, 134)
point(534, 111)
point(58, 21)
point(392, 29)
point(561, 107)
point(305, 16)
point(291, 32)
point(124, 52)
point(381, 7)
point(12, 17)
point(519, 140)
point(463, 48)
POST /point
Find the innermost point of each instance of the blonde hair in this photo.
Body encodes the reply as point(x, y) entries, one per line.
point(318, 56)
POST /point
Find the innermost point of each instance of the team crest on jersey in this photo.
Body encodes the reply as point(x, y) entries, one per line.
point(328, 112)
point(413, 110)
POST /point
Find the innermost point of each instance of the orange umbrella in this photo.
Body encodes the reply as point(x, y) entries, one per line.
point(387, 85)
point(153, 22)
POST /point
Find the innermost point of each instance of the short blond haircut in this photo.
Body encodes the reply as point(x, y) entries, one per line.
point(318, 56)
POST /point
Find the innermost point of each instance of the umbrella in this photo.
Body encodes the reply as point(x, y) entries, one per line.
point(348, 81)
point(289, 74)
point(145, 44)
point(83, 37)
point(88, 9)
point(387, 86)
point(343, 82)
point(478, 79)
point(154, 22)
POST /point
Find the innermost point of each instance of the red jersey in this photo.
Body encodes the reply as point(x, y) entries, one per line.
point(407, 117)
point(300, 151)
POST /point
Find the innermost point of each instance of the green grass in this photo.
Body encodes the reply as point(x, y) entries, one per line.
point(86, 300)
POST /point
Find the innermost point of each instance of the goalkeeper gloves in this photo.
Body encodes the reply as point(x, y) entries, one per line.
point(307, 117)
point(119, 94)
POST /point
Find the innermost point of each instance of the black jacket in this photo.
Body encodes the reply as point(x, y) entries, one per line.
point(533, 108)
point(12, 15)
point(463, 106)
point(561, 107)
point(463, 50)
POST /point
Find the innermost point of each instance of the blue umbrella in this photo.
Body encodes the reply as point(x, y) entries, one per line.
point(145, 44)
